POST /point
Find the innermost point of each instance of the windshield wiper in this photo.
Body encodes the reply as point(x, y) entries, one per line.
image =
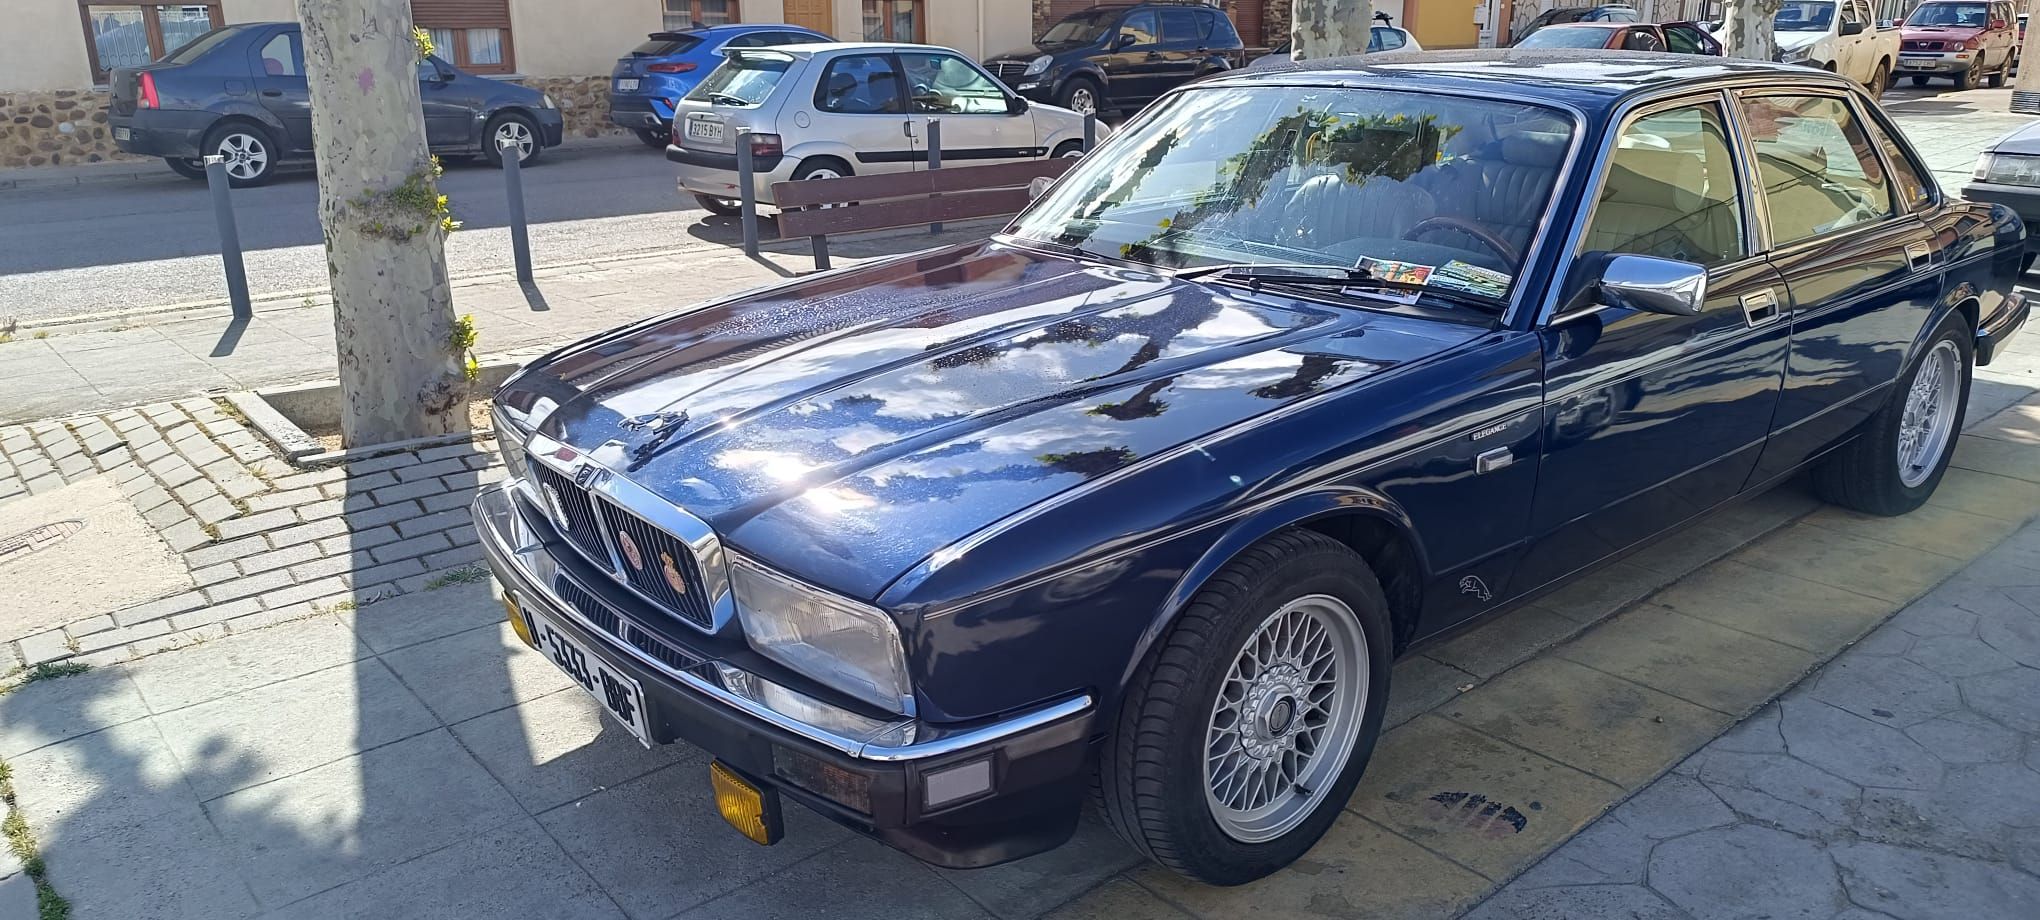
point(1256, 274)
point(727, 99)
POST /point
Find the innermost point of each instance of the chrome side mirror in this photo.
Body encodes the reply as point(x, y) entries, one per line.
point(1652, 285)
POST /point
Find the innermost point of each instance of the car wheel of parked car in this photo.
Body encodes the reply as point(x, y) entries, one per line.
point(1894, 465)
point(1070, 149)
point(1244, 732)
point(250, 154)
point(727, 207)
point(1997, 78)
point(655, 138)
point(1080, 95)
point(1969, 79)
point(186, 167)
point(1880, 81)
point(513, 127)
point(1919, 79)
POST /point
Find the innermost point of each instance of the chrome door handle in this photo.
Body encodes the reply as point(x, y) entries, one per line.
point(1760, 307)
point(1919, 255)
point(1491, 460)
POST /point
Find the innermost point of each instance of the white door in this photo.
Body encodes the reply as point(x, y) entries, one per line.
point(861, 103)
point(980, 122)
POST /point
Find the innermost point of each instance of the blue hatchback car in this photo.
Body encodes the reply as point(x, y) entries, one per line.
point(657, 73)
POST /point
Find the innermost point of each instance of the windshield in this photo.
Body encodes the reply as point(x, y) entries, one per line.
point(1804, 17)
point(1080, 29)
point(745, 77)
point(1962, 15)
point(665, 43)
point(197, 47)
point(1434, 190)
point(1565, 37)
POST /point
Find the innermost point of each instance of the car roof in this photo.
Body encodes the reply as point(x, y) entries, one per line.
point(1588, 78)
point(737, 27)
point(816, 49)
point(1597, 25)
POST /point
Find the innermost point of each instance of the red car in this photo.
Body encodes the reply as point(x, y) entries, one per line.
point(1677, 37)
point(1964, 40)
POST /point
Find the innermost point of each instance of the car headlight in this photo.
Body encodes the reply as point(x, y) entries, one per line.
point(1794, 55)
point(839, 642)
point(1038, 65)
point(2008, 169)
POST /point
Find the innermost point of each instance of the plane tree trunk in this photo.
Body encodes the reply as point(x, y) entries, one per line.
point(1747, 29)
point(1329, 28)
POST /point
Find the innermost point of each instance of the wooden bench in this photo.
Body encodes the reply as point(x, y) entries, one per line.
point(815, 208)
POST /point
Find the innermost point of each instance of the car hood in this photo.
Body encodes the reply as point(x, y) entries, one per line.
point(847, 426)
point(1940, 33)
point(1793, 41)
point(2025, 140)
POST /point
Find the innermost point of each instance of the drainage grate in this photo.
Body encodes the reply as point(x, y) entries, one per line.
point(20, 546)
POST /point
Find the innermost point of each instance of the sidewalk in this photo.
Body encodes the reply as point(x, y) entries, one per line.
point(1902, 781)
point(151, 169)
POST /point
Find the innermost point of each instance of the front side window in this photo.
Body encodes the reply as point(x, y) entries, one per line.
point(1441, 191)
point(947, 84)
point(1566, 37)
point(860, 84)
point(1962, 15)
point(1139, 29)
point(1642, 40)
point(1078, 29)
point(130, 35)
point(1685, 40)
point(1383, 38)
point(1670, 190)
point(1815, 166)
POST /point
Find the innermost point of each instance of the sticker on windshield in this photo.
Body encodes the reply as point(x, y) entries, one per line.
point(1472, 279)
point(1405, 272)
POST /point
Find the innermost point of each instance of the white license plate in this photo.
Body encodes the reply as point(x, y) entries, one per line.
point(620, 695)
point(704, 129)
point(1915, 65)
point(121, 134)
point(627, 85)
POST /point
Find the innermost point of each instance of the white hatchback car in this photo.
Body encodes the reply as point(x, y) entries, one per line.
point(827, 110)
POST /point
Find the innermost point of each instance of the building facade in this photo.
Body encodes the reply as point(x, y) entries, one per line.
point(55, 54)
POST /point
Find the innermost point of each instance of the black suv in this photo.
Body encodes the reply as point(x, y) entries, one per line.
point(1121, 55)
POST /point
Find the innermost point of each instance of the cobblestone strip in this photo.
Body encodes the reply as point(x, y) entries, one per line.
point(265, 541)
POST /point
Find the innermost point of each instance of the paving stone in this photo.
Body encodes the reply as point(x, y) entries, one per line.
point(458, 556)
point(1359, 869)
point(2006, 697)
point(1958, 656)
point(310, 591)
point(171, 866)
point(1856, 748)
point(1778, 606)
point(112, 781)
point(243, 662)
point(1964, 737)
point(379, 515)
point(433, 523)
point(314, 530)
point(323, 508)
point(463, 450)
point(367, 579)
point(398, 801)
point(1486, 805)
point(1758, 734)
point(561, 747)
point(1621, 731)
point(1607, 852)
point(512, 871)
point(1894, 691)
point(1721, 668)
point(431, 470)
point(1504, 641)
point(249, 586)
point(41, 647)
point(1856, 564)
point(378, 464)
point(469, 673)
point(1631, 902)
point(280, 729)
point(288, 499)
point(1918, 885)
point(256, 523)
point(1988, 495)
point(274, 559)
point(1117, 899)
point(48, 711)
point(1935, 529)
point(2011, 635)
point(1419, 684)
point(406, 549)
point(1973, 813)
point(1603, 592)
point(214, 613)
point(225, 550)
point(1745, 872)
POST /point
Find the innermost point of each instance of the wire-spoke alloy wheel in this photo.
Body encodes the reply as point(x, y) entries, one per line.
point(246, 156)
point(1285, 718)
point(1928, 420)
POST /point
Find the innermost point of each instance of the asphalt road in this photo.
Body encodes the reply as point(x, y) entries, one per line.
point(150, 243)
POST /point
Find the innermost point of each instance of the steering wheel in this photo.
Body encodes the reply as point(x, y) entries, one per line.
point(1487, 237)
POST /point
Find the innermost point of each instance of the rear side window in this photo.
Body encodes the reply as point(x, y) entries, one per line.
point(1642, 40)
point(1815, 165)
point(662, 45)
point(1671, 190)
point(743, 79)
point(1383, 38)
point(860, 84)
point(279, 57)
point(197, 47)
point(1182, 25)
point(1220, 28)
point(1684, 40)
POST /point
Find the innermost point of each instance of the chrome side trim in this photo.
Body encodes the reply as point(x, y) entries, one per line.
point(506, 536)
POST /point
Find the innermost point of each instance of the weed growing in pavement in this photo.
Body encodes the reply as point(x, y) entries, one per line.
point(48, 670)
point(49, 905)
point(465, 575)
point(42, 333)
point(463, 346)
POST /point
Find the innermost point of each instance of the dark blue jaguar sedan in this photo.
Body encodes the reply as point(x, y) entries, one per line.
point(1305, 367)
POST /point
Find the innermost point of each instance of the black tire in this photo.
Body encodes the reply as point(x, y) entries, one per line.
point(251, 171)
point(726, 207)
point(655, 138)
point(188, 168)
point(1919, 79)
point(1997, 78)
point(1969, 79)
point(2026, 262)
point(492, 150)
point(1068, 149)
point(1073, 94)
point(1880, 81)
point(1864, 474)
point(1151, 782)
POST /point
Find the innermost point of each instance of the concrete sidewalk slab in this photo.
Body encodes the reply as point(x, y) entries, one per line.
point(95, 544)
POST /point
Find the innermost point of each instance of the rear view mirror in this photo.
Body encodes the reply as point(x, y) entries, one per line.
point(1652, 285)
point(1125, 40)
point(1852, 28)
point(1016, 105)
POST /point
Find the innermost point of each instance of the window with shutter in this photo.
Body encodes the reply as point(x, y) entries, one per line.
point(473, 34)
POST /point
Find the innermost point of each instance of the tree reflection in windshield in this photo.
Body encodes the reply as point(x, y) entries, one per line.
point(1339, 176)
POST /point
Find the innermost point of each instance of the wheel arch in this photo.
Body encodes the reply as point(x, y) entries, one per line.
point(255, 115)
point(1369, 523)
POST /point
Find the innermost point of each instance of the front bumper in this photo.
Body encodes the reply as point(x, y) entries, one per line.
point(871, 773)
point(1934, 62)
